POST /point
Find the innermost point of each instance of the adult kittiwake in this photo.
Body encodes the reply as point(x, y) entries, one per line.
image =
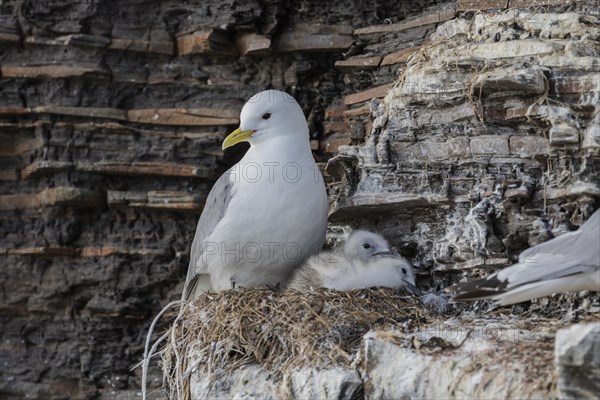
point(266, 214)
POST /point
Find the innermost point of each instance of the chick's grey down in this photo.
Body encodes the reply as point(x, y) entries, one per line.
point(364, 261)
point(266, 214)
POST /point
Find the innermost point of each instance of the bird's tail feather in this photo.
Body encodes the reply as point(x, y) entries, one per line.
point(199, 284)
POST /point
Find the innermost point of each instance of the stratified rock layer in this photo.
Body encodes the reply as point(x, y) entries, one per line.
point(487, 144)
point(483, 140)
point(111, 118)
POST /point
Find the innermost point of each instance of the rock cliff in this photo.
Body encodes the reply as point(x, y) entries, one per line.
point(463, 131)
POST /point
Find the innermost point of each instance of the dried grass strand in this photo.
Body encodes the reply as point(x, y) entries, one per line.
point(218, 333)
point(148, 353)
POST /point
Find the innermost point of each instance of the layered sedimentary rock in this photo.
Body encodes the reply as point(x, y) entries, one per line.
point(485, 144)
point(482, 140)
point(111, 118)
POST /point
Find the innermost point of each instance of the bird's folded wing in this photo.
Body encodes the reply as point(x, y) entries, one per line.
point(574, 253)
point(581, 243)
point(549, 267)
point(546, 267)
point(214, 208)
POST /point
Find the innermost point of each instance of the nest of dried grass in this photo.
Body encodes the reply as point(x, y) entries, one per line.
point(280, 329)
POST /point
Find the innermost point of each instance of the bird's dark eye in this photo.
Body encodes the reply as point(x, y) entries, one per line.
point(403, 271)
point(366, 245)
point(266, 116)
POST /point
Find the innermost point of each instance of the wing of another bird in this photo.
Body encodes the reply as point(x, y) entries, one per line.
point(551, 267)
point(561, 260)
point(557, 257)
point(581, 242)
point(214, 208)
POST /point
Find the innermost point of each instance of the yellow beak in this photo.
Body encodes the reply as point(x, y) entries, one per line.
point(236, 136)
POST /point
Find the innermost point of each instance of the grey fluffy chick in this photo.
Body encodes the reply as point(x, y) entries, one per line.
point(364, 261)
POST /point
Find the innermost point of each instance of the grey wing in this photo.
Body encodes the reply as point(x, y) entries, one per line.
point(216, 204)
point(569, 254)
point(546, 267)
point(582, 243)
point(573, 252)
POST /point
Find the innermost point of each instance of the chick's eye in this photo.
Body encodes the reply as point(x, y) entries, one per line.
point(366, 245)
point(266, 116)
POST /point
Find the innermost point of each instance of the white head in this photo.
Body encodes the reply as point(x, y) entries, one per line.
point(266, 115)
point(365, 245)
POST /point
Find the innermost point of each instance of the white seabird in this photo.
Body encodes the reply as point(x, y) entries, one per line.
point(267, 213)
point(364, 261)
point(567, 263)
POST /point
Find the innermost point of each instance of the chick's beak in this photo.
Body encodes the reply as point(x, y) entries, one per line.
point(237, 136)
point(387, 253)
